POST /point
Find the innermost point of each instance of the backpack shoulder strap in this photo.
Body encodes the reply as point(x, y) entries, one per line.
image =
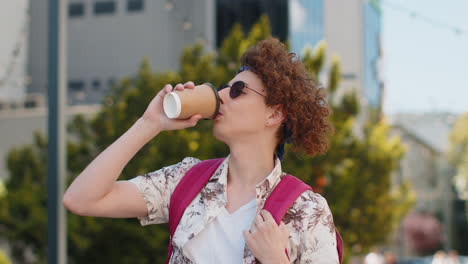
point(282, 198)
point(284, 195)
point(339, 245)
point(188, 187)
point(186, 190)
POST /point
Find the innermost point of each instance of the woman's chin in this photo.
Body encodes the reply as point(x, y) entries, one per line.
point(218, 133)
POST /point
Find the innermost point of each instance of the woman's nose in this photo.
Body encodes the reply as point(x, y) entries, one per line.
point(223, 95)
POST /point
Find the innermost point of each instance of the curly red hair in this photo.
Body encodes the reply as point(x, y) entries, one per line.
point(288, 83)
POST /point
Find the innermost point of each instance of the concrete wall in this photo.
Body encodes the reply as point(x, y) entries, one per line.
point(37, 52)
point(344, 36)
point(429, 174)
point(111, 46)
point(17, 128)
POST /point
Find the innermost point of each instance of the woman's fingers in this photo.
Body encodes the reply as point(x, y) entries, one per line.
point(179, 87)
point(189, 85)
point(258, 221)
point(194, 120)
point(267, 217)
point(283, 226)
point(284, 229)
point(191, 122)
point(265, 238)
point(168, 88)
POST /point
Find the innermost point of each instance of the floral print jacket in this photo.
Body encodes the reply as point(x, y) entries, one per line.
point(312, 232)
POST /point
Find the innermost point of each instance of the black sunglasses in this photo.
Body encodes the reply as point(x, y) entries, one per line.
point(237, 89)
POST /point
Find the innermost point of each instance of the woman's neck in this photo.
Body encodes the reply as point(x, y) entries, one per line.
point(249, 166)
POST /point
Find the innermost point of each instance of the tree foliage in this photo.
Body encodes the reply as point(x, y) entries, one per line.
point(354, 176)
point(458, 154)
point(3, 258)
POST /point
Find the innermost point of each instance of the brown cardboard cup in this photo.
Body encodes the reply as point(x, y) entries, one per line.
point(203, 100)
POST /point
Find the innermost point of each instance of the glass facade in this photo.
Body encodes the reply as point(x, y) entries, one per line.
point(111, 82)
point(96, 84)
point(302, 22)
point(371, 29)
point(76, 9)
point(135, 5)
point(306, 25)
point(247, 12)
point(104, 7)
point(76, 85)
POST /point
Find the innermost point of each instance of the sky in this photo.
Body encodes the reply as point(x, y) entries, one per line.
point(425, 65)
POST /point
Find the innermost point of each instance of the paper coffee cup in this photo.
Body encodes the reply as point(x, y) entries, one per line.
point(203, 100)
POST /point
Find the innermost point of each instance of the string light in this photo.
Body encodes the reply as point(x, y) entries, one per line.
point(14, 58)
point(187, 24)
point(169, 5)
point(427, 19)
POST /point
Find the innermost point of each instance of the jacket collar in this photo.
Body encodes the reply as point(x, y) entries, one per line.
point(262, 189)
point(213, 197)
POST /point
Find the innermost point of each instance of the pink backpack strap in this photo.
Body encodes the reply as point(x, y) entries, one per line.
point(284, 195)
point(339, 245)
point(282, 198)
point(186, 190)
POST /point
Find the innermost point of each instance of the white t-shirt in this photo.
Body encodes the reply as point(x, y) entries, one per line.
point(222, 241)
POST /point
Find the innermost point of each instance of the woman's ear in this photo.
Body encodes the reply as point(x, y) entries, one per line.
point(276, 115)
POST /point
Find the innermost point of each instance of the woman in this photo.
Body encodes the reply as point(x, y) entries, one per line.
point(271, 101)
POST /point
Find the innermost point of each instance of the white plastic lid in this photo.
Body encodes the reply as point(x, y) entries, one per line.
point(171, 104)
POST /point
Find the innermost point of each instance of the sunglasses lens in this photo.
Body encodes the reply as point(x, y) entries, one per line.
point(236, 89)
point(222, 87)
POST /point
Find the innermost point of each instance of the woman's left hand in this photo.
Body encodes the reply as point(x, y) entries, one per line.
point(267, 240)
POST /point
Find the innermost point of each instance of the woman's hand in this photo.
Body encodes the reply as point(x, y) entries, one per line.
point(155, 116)
point(267, 240)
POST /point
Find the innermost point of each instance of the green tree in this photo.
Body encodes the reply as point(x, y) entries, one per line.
point(3, 258)
point(354, 175)
point(458, 154)
point(22, 209)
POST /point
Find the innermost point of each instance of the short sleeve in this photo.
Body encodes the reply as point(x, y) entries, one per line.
point(157, 187)
point(318, 240)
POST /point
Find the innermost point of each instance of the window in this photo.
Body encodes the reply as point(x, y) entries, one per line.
point(349, 76)
point(111, 83)
point(135, 5)
point(96, 84)
point(310, 30)
point(247, 12)
point(104, 7)
point(75, 9)
point(76, 86)
point(371, 29)
point(30, 104)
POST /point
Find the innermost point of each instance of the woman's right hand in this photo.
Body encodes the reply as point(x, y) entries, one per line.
point(155, 116)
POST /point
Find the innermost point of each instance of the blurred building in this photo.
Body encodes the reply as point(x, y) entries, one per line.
point(107, 39)
point(351, 29)
point(17, 126)
point(14, 25)
point(426, 168)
